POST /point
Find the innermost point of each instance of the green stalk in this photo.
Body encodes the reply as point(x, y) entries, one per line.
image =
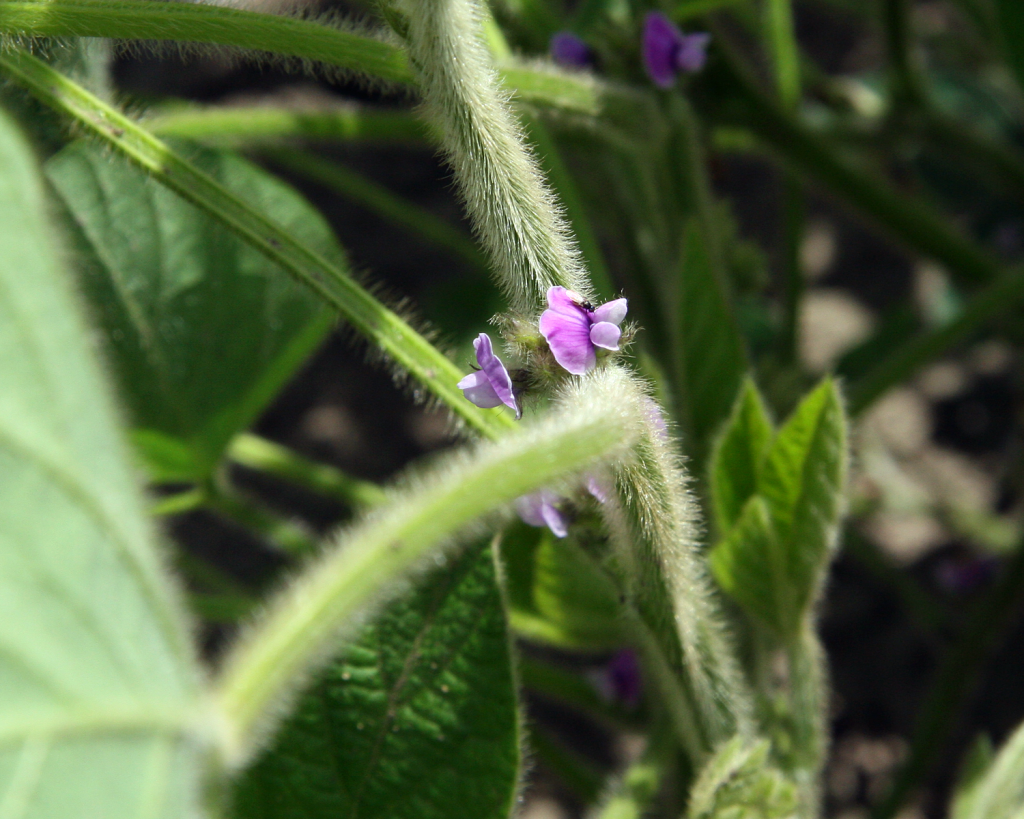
point(262, 455)
point(287, 535)
point(260, 125)
point(382, 327)
point(201, 23)
point(807, 693)
point(910, 221)
point(302, 624)
point(381, 201)
point(992, 301)
point(903, 74)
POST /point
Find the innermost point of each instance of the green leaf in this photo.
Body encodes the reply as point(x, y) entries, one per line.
point(739, 782)
point(416, 718)
point(100, 710)
point(737, 457)
point(203, 329)
point(748, 567)
point(711, 357)
point(998, 792)
point(1010, 15)
point(555, 594)
point(773, 559)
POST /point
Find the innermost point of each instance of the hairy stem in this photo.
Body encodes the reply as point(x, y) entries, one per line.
point(513, 210)
point(382, 327)
point(302, 624)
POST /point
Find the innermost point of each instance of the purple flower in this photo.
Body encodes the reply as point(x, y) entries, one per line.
point(574, 329)
point(621, 679)
point(568, 49)
point(667, 51)
point(653, 412)
point(539, 509)
point(491, 385)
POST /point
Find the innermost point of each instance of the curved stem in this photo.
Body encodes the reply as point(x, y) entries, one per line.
point(384, 328)
point(364, 567)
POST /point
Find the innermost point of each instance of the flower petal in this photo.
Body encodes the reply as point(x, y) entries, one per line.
point(568, 49)
point(490, 364)
point(613, 311)
point(605, 334)
point(693, 52)
point(478, 390)
point(661, 42)
point(566, 327)
point(538, 509)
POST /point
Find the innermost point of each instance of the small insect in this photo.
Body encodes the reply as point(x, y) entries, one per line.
point(577, 299)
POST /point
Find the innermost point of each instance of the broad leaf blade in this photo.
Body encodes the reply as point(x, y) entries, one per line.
point(99, 684)
point(802, 481)
point(203, 330)
point(737, 457)
point(415, 719)
point(998, 792)
point(711, 357)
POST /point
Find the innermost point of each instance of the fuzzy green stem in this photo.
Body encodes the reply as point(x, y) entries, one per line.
point(369, 317)
point(287, 535)
point(242, 126)
point(513, 210)
point(266, 456)
point(302, 625)
point(201, 23)
point(808, 705)
point(381, 201)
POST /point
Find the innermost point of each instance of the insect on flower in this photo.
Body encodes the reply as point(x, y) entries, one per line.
point(574, 328)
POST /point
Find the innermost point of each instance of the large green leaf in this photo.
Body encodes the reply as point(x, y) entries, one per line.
point(415, 719)
point(737, 457)
point(772, 561)
point(1010, 16)
point(203, 330)
point(711, 358)
point(99, 710)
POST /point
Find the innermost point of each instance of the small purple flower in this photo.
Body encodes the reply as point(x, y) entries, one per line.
point(667, 51)
point(539, 509)
point(621, 679)
point(568, 49)
point(574, 329)
point(491, 385)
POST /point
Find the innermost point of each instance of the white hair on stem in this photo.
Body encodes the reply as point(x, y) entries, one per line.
point(514, 212)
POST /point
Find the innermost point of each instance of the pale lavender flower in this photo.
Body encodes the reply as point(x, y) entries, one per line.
point(574, 329)
point(667, 51)
point(568, 49)
point(653, 413)
point(539, 509)
point(599, 487)
point(491, 385)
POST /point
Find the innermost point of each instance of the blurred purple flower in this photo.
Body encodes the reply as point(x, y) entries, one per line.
point(667, 51)
point(654, 415)
point(574, 329)
point(598, 486)
point(539, 509)
point(568, 49)
point(491, 385)
point(965, 575)
point(621, 679)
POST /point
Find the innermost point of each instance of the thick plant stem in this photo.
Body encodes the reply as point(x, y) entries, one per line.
point(381, 326)
point(654, 531)
point(513, 210)
point(302, 625)
point(808, 705)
